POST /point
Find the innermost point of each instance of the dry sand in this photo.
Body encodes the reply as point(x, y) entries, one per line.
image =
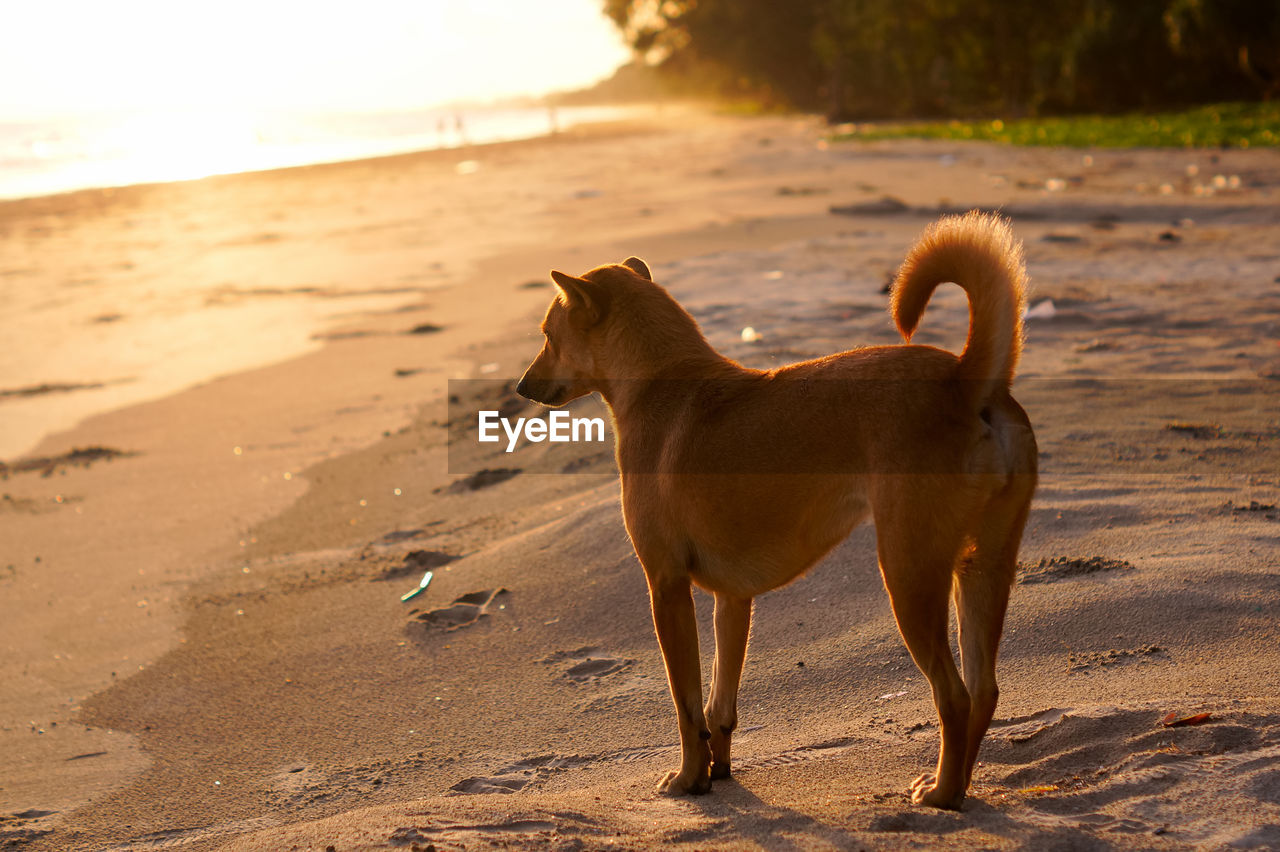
point(204, 643)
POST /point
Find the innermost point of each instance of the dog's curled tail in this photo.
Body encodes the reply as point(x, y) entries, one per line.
point(979, 252)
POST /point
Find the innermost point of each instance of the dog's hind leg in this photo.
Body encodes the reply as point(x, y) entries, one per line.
point(917, 574)
point(982, 585)
point(733, 625)
point(673, 619)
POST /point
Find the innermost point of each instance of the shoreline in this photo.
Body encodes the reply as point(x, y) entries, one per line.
point(97, 381)
point(271, 657)
point(589, 119)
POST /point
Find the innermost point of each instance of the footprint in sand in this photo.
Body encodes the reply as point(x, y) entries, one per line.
point(396, 536)
point(18, 829)
point(1253, 508)
point(1062, 567)
point(919, 821)
point(587, 664)
point(1082, 661)
point(479, 479)
point(536, 828)
point(415, 562)
point(605, 681)
point(518, 775)
point(595, 669)
point(800, 754)
point(296, 784)
point(463, 612)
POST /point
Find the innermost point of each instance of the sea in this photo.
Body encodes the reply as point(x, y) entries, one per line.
point(65, 153)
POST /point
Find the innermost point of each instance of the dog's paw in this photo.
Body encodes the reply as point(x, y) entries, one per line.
point(721, 744)
point(924, 791)
point(678, 784)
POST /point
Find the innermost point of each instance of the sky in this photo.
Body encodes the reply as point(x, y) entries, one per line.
point(62, 57)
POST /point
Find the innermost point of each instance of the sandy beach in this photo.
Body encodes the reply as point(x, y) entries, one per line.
point(204, 641)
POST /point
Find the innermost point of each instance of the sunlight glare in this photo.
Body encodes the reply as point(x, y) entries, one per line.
point(181, 145)
point(290, 54)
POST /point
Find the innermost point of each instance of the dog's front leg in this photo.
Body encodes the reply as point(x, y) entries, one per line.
point(733, 625)
point(673, 618)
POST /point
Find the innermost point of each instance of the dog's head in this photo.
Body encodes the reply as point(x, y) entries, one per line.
point(572, 359)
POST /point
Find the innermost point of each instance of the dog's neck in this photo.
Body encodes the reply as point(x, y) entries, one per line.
point(652, 345)
point(635, 389)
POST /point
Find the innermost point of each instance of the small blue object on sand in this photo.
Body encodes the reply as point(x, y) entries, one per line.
point(426, 580)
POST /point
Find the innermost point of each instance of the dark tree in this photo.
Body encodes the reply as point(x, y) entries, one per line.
point(877, 58)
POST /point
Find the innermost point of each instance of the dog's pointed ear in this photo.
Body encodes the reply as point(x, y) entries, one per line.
point(587, 301)
point(638, 266)
point(574, 289)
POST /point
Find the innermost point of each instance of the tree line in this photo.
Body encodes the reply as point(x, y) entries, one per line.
point(855, 59)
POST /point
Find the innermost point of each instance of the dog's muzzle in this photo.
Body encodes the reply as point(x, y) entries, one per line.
point(544, 391)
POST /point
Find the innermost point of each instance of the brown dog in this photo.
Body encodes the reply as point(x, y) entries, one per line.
point(739, 480)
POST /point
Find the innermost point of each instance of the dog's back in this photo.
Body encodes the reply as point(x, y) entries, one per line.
point(736, 461)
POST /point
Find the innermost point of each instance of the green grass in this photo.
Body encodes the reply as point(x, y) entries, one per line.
point(1233, 125)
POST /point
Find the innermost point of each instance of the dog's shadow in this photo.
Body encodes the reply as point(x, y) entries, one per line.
point(777, 828)
point(773, 827)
